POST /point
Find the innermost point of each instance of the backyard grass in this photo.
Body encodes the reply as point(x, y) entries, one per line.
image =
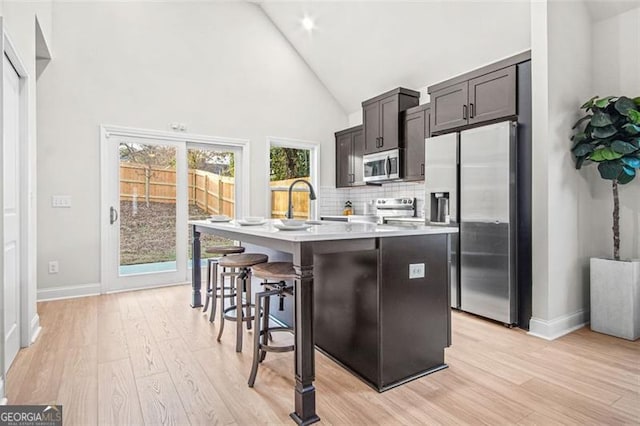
point(148, 234)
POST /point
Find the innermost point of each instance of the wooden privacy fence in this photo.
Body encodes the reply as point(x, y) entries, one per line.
point(209, 191)
point(279, 198)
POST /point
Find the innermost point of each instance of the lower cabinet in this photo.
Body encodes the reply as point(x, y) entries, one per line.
point(416, 129)
point(349, 152)
point(374, 319)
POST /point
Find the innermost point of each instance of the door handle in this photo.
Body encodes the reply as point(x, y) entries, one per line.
point(473, 110)
point(388, 167)
point(381, 141)
point(422, 169)
point(113, 215)
point(464, 112)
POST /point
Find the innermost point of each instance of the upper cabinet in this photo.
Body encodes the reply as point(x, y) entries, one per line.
point(382, 121)
point(450, 107)
point(483, 95)
point(485, 98)
point(416, 129)
point(349, 151)
point(493, 95)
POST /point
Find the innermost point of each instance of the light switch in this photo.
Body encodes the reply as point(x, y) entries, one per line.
point(416, 270)
point(61, 201)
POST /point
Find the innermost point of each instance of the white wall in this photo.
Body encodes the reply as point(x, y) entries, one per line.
point(561, 68)
point(220, 67)
point(19, 21)
point(615, 72)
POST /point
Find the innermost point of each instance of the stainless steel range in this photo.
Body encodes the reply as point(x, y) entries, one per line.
point(384, 211)
point(388, 208)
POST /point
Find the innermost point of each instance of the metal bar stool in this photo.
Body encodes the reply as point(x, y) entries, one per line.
point(277, 273)
point(212, 276)
point(241, 280)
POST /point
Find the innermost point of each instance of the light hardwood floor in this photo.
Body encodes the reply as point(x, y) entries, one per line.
point(146, 357)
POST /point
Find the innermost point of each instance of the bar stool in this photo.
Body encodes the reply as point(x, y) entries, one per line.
point(240, 280)
point(278, 273)
point(212, 276)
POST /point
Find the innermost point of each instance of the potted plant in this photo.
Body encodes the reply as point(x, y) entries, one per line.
point(609, 135)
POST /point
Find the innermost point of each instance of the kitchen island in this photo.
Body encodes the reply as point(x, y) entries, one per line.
point(380, 302)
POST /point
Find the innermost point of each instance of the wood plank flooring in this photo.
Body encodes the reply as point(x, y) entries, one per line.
point(146, 357)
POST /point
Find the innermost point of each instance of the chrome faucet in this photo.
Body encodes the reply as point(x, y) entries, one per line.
point(312, 195)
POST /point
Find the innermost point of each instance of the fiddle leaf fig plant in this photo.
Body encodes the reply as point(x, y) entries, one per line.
point(609, 135)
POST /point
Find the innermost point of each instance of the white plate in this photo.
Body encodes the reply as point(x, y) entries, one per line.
point(291, 227)
point(245, 223)
point(219, 219)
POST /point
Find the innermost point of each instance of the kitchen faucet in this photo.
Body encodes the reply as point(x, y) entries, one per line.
point(312, 195)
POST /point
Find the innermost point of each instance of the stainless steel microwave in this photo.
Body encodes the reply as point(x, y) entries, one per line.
point(382, 166)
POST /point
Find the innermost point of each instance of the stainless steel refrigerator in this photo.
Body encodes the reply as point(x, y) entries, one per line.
point(475, 172)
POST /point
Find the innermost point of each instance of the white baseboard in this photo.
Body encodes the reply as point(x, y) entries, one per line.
point(35, 328)
point(558, 327)
point(68, 292)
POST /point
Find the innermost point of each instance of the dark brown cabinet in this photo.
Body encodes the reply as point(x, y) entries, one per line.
point(381, 119)
point(416, 129)
point(484, 98)
point(349, 151)
point(492, 96)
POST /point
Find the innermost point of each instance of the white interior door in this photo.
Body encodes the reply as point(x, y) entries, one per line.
point(145, 213)
point(11, 214)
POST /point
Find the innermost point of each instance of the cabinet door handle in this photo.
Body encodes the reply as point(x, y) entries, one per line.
point(422, 169)
point(464, 112)
point(473, 110)
point(381, 141)
point(377, 142)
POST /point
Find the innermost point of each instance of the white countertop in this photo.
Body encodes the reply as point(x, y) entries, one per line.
point(327, 230)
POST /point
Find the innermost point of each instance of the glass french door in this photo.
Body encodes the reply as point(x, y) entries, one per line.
point(212, 189)
point(146, 213)
point(153, 187)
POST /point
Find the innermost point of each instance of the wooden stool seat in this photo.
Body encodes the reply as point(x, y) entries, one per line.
point(224, 250)
point(275, 271)
point(240, 274)
point(275, 275)
point(245, 260)
point(214, 291)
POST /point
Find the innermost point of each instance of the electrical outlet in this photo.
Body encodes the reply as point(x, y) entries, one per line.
point(63, 201)
point(53, 267)
point(416, 270)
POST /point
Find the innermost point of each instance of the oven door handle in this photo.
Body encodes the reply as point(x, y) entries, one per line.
point(388, 167)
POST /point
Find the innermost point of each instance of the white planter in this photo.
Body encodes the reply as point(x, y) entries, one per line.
point(615, 297)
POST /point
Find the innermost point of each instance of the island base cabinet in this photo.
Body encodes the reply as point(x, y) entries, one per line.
point(375, 320)
point(414, 311)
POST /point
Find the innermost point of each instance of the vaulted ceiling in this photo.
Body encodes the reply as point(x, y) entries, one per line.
point(362, 48)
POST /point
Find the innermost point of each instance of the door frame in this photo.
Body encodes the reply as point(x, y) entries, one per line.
point(108, 131)
point(29, 327)
point(314, 167)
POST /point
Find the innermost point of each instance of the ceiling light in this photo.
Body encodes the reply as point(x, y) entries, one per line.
point(308, 24)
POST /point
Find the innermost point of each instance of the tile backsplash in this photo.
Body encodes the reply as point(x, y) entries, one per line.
point(331, 200)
